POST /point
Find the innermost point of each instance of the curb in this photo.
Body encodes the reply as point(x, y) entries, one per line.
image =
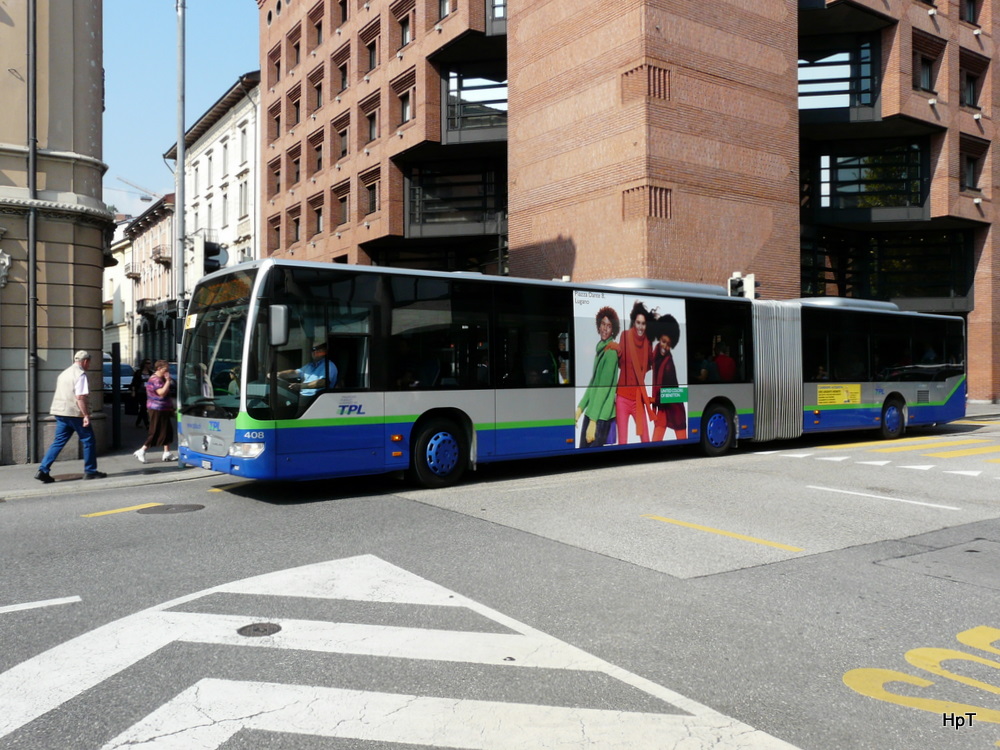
point(71, 482)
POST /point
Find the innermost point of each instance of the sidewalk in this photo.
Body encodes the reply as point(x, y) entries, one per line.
point(124, 470)
point(120, 465)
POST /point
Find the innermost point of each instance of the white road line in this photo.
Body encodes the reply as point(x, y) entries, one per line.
point(833, 458)
point(38, 605)
point(875, 463)
point(797, 455)
point(882, 497)
point(924, 467)
point(965, 473)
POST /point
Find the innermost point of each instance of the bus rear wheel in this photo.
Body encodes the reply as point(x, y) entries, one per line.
point(440, 454)
point(893, 419)
point(717, 430)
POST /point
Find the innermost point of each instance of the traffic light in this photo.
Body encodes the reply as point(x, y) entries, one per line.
point(743, 286)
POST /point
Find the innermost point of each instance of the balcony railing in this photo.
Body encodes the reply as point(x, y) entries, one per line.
point(132, 271)
point(161, 254)
point(144, 306)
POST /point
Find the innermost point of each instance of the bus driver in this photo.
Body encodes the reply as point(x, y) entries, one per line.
point(311, 378)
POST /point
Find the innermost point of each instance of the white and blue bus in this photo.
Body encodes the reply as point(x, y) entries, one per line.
point(295, 370)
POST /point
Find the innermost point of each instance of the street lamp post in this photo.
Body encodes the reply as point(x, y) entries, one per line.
point(179, 174)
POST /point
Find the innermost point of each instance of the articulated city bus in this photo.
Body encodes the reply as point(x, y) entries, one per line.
point(295, 370)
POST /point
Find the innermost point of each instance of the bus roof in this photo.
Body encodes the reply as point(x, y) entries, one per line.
point(622, 285)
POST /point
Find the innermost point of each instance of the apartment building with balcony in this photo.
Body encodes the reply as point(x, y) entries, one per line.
point(155, 324)
point(830, 147)
point(384, 131)
point(119, 289)
point(897, 103)
point(221, 186)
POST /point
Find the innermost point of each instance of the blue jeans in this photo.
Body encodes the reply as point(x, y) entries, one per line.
point(65, 427)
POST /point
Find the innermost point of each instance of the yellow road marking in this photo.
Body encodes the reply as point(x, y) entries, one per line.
point(877, 442)
point(966, 452)
point(924, 446)
point(121, 510)
point(710, 530)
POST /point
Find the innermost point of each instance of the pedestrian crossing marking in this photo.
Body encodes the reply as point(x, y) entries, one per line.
point(875, 463)
point(833, 458)
point(208, 711)
point(965, 473)
point(925, 446)
point(966, 452)
point(926, 467)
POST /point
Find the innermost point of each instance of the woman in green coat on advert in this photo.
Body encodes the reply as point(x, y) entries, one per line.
point(598, 403)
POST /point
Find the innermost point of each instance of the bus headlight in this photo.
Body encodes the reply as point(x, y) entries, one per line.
point(246, 450)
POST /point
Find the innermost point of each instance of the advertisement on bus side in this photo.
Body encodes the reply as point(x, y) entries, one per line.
point(631, 365)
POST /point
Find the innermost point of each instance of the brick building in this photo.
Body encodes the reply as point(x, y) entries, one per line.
point(838, 148)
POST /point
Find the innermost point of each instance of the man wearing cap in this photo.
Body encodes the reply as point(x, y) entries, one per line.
point(71, 408)
point(313, 376)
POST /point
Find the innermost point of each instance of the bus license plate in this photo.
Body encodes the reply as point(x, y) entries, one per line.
point(206, 464)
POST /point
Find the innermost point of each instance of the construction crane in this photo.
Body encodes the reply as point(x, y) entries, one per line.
point(147, 195)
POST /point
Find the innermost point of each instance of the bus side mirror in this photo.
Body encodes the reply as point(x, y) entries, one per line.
point(278, 317)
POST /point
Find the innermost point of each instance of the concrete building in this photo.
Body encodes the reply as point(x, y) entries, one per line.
point(830, 147)
point(55, 230)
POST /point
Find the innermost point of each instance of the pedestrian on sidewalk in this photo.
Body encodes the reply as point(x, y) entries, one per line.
point(160, 406)
point(138, 387)
point(71, 408)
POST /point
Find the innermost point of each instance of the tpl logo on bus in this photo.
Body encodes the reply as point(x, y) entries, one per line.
point(349, 409)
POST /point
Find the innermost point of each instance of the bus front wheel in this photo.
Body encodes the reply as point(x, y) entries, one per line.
point(716, 430)
point(440, 454)
point(893, 419)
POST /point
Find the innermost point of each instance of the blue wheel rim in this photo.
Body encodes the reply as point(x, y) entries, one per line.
point(442, 453)
point(893, 418)
point(717, 430)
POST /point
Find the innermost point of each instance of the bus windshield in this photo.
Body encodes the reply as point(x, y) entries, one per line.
point(215, 329)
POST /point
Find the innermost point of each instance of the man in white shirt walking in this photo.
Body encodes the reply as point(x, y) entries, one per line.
point(71, 408)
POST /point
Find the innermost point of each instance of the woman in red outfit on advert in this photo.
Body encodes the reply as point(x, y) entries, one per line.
point(635, 358)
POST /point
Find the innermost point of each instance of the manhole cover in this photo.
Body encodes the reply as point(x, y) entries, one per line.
point(171, 509)
point(259, 629)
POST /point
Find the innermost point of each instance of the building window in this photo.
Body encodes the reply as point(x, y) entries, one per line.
point(344, 209)
point(477, 97)
point(317, 161)
point(296, 170)
point(342, 11)
point(928, 51)
point(273, 122)
point(444, 8)
point(969, 11)
point(208, 216)
point(341, 199)
point(970, 173)
point(924, 78)
point(273, 178)
point(371, 191)
point(208, 170)
point(970, 90)
point(890, 176)
point(225, 158)
point(344, 76)
point(244, 198)
point(372, 48)
point(405, 36)
point(315, 215)
point(273, 235)
point(244, 143)
point(225, 209)
point(345, 142)
point(194, 181)
point(274, 65)
point(372, 120)
point(831, 78)
point(404, 107)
